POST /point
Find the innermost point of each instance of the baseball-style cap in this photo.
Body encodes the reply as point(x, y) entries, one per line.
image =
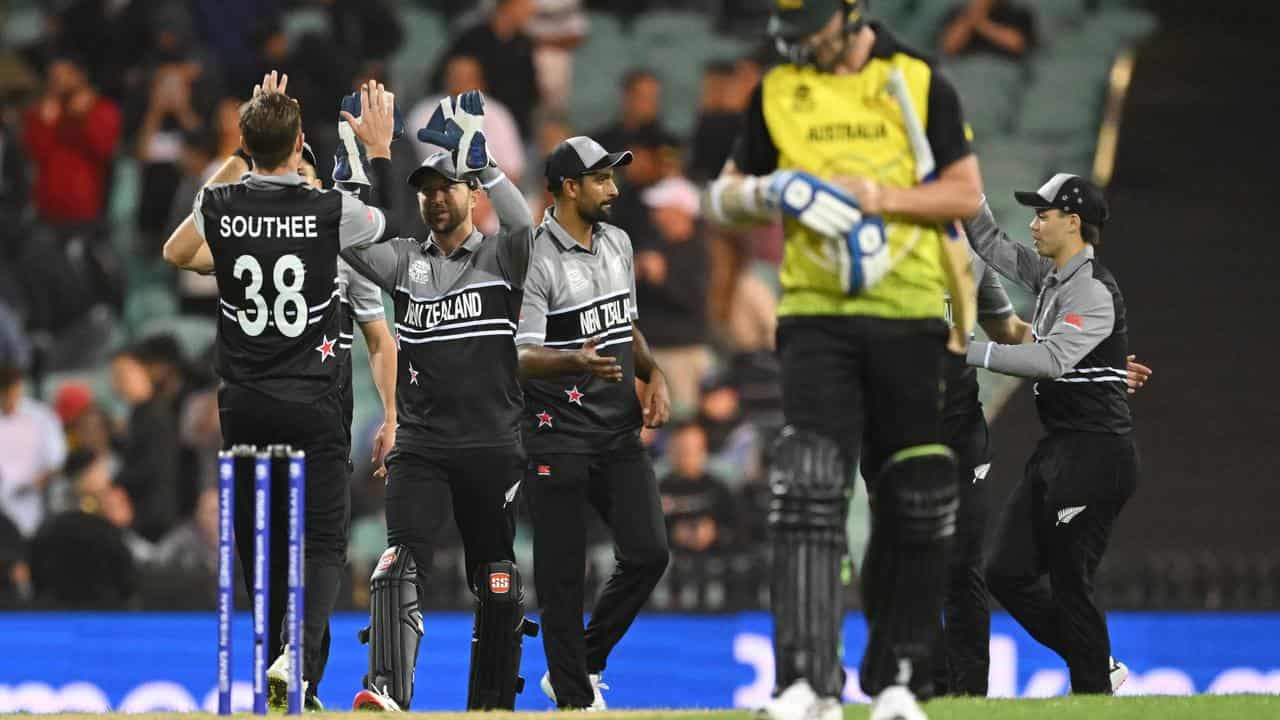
point(309, 155)
point(1070, 194)
point(579, 156)
point(794, 19)
point(441, 163)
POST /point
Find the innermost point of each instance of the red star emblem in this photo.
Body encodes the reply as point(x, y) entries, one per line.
point(575, 396)
point(544, 419)
point(326, 348)
point(413, 376)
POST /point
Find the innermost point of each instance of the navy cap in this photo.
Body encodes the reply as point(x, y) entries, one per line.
point(579, 156)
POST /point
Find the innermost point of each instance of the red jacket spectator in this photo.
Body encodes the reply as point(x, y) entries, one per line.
point(70, 136)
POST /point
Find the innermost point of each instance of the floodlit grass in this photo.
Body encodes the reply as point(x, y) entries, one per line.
point(1201, 707)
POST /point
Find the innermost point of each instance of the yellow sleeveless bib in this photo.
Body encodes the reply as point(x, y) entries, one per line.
point(832, 125)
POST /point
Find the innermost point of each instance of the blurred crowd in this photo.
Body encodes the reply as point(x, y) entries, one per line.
point(109, 501)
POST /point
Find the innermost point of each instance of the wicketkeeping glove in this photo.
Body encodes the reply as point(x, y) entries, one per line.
point(457, 125)
point(830, 211)
point(351, 161)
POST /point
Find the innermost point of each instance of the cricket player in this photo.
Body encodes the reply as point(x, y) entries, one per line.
point(1058, 519)
point(581, 351)
point(864, 149)
point(361, 304)
point(274, 242)
point(457, 298)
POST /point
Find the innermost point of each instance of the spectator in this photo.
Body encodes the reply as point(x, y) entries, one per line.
point(671, 288)
point(717, 125)
point(648, 147)
point(731, 440)
point(557, 29)
point(103, 574)
point(173, 103)
point(32, 449)
point(85, 424)
point(505, 52)
point(641, 107)
point(996, 27)
point(84, 475)
point(369, 30)
point(71, 134)
point(149, 463)
point(700, 510)
point(192, 547)
point(15, 572)
point(197, 294)
point(463, 73)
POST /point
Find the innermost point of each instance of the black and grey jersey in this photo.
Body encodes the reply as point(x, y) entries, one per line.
point(1080, 330)
point(574, 294)
point(275, 242)
point(961, 377)
point(458, 379)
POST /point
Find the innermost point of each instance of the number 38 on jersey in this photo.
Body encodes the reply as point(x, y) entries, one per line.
point(288, 311)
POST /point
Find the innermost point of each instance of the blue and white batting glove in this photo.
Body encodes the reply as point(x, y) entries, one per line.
point(457, 125)
point(830, 211)
point(351, 161)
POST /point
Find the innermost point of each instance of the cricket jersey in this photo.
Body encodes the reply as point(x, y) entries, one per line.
point(574, 294)
point(457, 384)
point(1079, 357)
point(275, 243)
point(852, 125)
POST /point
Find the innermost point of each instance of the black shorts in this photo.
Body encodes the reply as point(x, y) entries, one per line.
point(855, 377)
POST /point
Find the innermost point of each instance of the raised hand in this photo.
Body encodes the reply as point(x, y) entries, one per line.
point(272, 83)
point(375, 127)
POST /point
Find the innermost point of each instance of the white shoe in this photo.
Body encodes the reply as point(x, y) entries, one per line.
point(374, 701)
point(278, 678)
point(597, 703)
point(1119, 673)
point(797, 702)
point(896, 703)
point(826, 708)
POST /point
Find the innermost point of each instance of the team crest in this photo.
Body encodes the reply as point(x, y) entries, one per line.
point(420, 271)
point(576, 279)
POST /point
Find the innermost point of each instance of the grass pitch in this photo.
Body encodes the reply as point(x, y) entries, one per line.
point(1200, 707)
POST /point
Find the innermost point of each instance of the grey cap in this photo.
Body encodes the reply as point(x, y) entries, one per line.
point(441, 163)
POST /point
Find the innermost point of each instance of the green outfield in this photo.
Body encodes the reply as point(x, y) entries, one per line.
point(1201, 707)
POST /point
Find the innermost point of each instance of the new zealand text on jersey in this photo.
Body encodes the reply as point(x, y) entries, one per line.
point(616, 313)
point(427, 315)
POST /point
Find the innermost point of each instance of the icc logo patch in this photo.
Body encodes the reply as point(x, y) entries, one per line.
point(577, 281)
point(802, 100)
point(420, 271)
point(499, 583)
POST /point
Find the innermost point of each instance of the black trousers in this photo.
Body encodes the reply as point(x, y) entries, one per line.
point(963, 658)
point(856, 378)
point(250, 418)
point(1055, 526)
point(621, 487)
point(423, 485)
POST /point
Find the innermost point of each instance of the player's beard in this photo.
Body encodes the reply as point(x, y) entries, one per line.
point(596, 212)
point(443, 223)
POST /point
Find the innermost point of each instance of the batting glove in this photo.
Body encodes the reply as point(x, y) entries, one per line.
point(457, 125)
point(831, 212)
point(351, 161)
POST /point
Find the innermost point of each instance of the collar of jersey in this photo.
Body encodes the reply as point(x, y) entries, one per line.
point(472, 242)
point(562, 236)
point(274, 181)
point(1076, 262)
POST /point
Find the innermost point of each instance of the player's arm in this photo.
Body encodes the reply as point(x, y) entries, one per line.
point(515, 223)
point(1010, 258)
point(539, 361)
point(738, 196)
point(365, 224)
point(186, 247)
point(995, 310)
point(655, 398)
point(1086, 320)
point(382, 365)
